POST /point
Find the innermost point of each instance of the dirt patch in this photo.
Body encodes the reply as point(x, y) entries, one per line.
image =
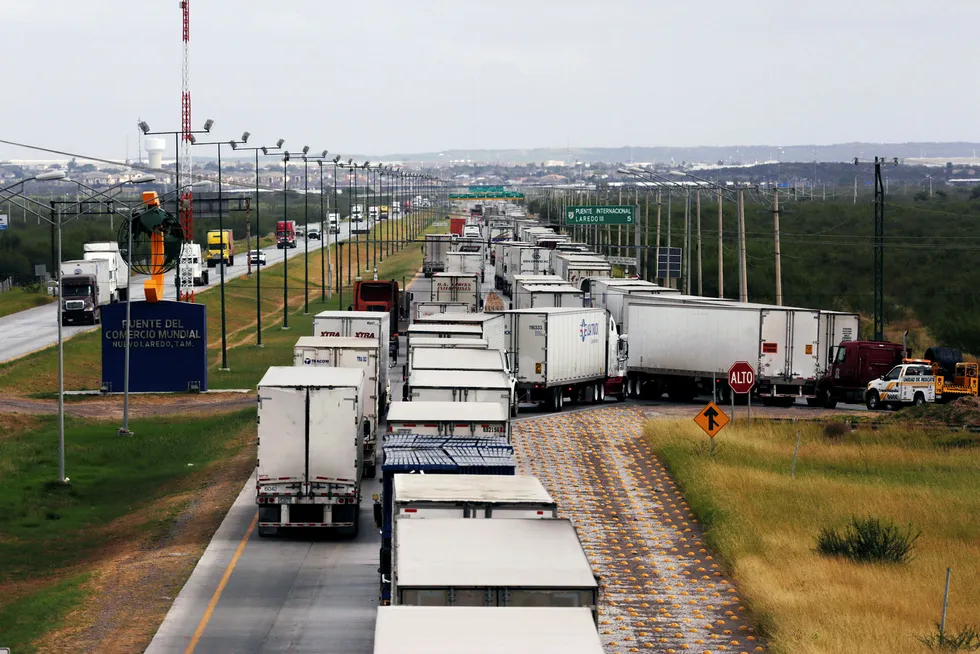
point(15, 424)
point(136, 578)
point(140, 406)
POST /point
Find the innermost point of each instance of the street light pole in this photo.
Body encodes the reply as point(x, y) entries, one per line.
point(258, 235)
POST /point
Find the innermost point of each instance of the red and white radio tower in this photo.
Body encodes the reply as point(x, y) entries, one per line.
point(186, 198)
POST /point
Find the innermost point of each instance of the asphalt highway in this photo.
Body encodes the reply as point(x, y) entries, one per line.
point(27, 331)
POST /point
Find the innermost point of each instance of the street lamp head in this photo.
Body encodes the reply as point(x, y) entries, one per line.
point(264, 149)
point(233, 144)
point(350, 161)
point(285, 156)
point(208, 124)
point(306, 149)
point(143, 126)
point(280, 142)
point(336, 159)
point(50, 176)
point(324, 154)
point(245, 136)
point(192, 139)
point(142, 179)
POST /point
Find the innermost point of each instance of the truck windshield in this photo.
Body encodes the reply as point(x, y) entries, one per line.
point(76, 290)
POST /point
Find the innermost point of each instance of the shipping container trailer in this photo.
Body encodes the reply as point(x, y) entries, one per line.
point(361, 353)
point(443, 330)
point(485, 630)
point(434, 251)
point(462, 386)
point(563, 352)
point(469, 419)
point(422, 309)
point(437, 358)
point(471, 496)
point(311, 426)
point(499, 260)
point(525, 260)
point(530, 296)
point(359, 324)
point(469, 343)
point(456, 287)
point(493, 326)
point(465, 262)
point(432, 455)
point(687, 344)
point(493, 563)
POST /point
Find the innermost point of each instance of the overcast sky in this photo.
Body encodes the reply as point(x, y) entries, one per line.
point(394, 76)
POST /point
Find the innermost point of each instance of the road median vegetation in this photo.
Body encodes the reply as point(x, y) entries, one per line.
point(909, 497)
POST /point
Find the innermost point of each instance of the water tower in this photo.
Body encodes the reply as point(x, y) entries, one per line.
point(154, 151)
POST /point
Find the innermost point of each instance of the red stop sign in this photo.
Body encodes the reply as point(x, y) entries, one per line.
point(741, 377)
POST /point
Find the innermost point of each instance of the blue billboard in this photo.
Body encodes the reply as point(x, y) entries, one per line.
point(168, 347)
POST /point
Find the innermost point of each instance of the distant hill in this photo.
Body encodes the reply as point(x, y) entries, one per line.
point(729, 154)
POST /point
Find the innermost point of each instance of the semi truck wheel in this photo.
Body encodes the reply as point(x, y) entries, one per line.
point(872, 401)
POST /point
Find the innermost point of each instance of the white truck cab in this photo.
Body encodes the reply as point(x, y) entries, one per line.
point(907, 383)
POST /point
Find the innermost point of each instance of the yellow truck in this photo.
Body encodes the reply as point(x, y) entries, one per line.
point(221, 248)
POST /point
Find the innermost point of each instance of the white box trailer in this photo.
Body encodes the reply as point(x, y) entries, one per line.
point(547, 295)
point(508, 562)
point(469, 419)
point(456, 287)
point(472, 245)
point(437, 358)
point(836, 327)
point(465, 343)
point(363, 353)
point(443, 330)
point(539, 280)
point(462, 386)
point(357, 324)
point(687, 344)
point(560, 352)
point(485, 630)
point(311, 427)
point(423, 309)
point(525, 260)
point(465, 262)
point(613, 300)
point(434, 252)
point(499, 260)
point(118, 268)
point(471, 496)
point(493, 326)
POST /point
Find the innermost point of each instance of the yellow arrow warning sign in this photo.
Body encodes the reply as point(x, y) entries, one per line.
point(711, 419)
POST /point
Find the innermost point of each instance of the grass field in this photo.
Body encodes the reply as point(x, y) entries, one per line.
point(36, 373)
point(48, 532)
point(765, 523)
point(17, 299)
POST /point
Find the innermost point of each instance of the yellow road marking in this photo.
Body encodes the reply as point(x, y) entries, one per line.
point(221, 587)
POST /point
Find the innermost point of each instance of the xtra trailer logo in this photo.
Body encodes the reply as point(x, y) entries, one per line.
point(588, 329)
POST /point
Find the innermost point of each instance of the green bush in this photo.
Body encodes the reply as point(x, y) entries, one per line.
point(869, 540)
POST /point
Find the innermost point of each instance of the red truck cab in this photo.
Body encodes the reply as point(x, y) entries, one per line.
point(381, 296)
point(853, 365)
point(286, 234)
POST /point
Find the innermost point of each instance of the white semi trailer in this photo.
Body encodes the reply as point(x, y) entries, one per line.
point(469, 419)
point(363, 353)
point(560, 352)
point(311, 426)
point(684, 345)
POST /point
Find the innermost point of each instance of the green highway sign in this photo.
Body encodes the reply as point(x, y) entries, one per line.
point(486, 189)
point(503, 195)
point(600, 215)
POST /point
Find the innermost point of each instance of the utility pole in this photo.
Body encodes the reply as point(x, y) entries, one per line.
point(855, 189)
point(656, 256)
point(645, 274)
point(744, 278)
point(879, 326)
point(700, 280)
point(779, 269)
point(721, 251)
point(687, 242)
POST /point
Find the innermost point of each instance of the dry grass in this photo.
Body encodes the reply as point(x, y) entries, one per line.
point(764, 523)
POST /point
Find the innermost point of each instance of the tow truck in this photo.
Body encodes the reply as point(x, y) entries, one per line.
point(918, 381)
